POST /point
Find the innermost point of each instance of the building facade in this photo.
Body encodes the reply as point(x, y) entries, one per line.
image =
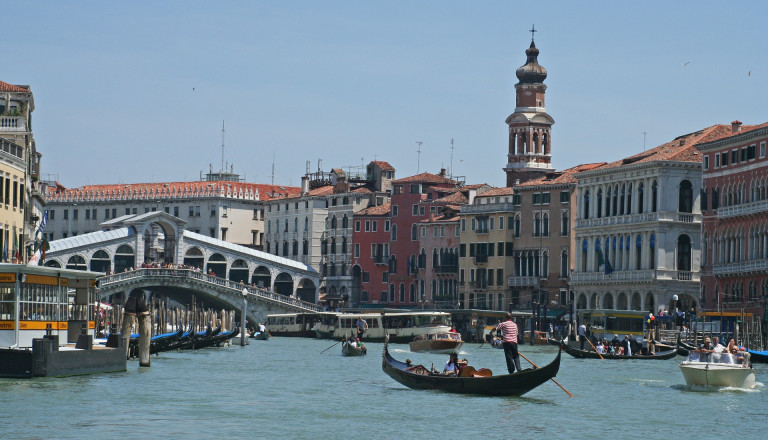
point(734, 266)
point(638, 233)
point(19, 173)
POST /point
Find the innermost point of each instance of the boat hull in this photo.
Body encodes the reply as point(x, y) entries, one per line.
point(716, 374)
point(515, 384)
point(584, 354)
point(436, 346)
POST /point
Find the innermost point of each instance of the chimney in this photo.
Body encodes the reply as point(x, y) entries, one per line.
point(304, 185)
point(735, 126)
point(442, 172)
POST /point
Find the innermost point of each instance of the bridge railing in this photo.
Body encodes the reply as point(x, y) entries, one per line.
point(210, 279)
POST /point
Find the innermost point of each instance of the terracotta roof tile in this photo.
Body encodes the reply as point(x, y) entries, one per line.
point(166, 190)
point(562, 177)
point(5, 87)
point(321, 191)
point(426, 178)
point(453, 198)
point(722, 134)
point(382, 209)
point(383, 165)
point(494, 192)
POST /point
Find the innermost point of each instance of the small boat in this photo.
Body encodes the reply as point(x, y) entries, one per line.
point(481, 382)
point(713, 369)
point(260, 336)
point(589, 354)
point(759, 356)
point(437, 343)
point(348, 350)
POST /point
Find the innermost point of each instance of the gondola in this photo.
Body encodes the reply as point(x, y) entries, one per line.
point(420, 378)
point(759, 356)
point(586, 354)
point(261, 336)
point(348, 350)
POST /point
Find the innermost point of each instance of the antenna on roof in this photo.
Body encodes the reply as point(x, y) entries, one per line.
point(451, 158)
point(222, 147)
point(273, 167)
point(643, 141)
point(418, 157)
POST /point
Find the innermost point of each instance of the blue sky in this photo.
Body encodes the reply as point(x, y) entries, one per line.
point(137, 91)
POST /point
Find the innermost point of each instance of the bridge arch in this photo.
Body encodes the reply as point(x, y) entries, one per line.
point(307, 291)
point(239, 271)
point(160, 234)
point(194, 257)
point(262, 277)
point(100, 261)
point(284, 284)
point(125, 258)
point(77, 262)
point(217, 264)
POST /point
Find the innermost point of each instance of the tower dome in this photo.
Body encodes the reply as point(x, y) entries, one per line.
point(532, 72)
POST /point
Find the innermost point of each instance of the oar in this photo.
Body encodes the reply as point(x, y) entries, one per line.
point(551, 378)
point(593, 347)
point(331, 346)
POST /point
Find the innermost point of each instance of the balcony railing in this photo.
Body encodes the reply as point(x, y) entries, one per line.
point(646, 217)
point(493, 207)
point(13, 123)
point(381, 259)
point(523, 281)
point(478, 285)
point(743, 209)
point(447, 268)
point(740, 268)
point(636, 275)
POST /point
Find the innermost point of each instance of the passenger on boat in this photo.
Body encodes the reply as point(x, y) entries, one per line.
point(453, 330)
point(262, 327)
point(625, 344)
point(454, 365)
point(732, 347)
point(600, 347)
point(362, 326)
point(360, 345)
point(352, 342)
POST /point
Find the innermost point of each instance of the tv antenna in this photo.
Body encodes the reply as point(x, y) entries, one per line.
point(418, 157)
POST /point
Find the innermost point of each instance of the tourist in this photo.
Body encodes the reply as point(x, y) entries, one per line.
point(453, 366)
point(625, 344)
point(509, 334)
point(362, 326)
point(600, 347)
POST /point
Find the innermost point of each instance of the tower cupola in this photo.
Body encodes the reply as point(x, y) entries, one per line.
point(532, 72)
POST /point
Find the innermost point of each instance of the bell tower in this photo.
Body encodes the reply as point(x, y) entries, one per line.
point(530, 142)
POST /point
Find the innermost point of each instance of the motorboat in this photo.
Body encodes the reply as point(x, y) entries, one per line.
point(437, 342)
point(718, 369)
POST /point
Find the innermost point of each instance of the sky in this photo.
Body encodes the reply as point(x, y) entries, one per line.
point(134, 92)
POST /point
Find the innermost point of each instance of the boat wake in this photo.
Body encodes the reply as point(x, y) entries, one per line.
point(715, 389)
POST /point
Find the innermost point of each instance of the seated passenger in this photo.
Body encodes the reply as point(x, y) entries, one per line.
point(454, 366)
point(600, 347)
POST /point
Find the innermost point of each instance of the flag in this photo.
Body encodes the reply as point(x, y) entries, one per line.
point(34, 260)
point(43, 224)
point(16, 255)
point(603, 264)
point(44, 246)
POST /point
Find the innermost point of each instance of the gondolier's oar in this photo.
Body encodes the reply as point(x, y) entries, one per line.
point(593, 348)
point(342, 340)
point(551, 378)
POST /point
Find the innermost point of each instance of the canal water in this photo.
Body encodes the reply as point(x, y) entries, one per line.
point(285, 388)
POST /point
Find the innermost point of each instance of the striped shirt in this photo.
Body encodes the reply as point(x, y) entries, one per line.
point(508, 331)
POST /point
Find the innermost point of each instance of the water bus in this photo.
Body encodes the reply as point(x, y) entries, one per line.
point(48, 321)
point(402, 327)
point(298, 324)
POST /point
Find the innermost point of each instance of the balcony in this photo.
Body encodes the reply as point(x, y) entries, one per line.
point(523, 281)
point(493, 207)
point(636, 276)
point(482, 230)
point(17, 124)
point(739, 269)
point(631, 219)
point(481, 259)
point(742, 210)
point(381, 259)
point(478, 285)
point(447, 269)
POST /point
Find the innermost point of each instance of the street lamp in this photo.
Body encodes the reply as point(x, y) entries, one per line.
point(242, 317)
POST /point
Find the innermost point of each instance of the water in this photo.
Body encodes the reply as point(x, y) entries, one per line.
point(285, 388)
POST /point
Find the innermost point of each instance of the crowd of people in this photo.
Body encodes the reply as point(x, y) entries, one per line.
point(712, 350)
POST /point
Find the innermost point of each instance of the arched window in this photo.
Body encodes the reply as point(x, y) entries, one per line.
point(306, 223)
point(402, 293)
point(586, 204)
point(599, 202)
point(344, 245)
point(639, 252)
point(269, 226)
point(412, 293)
point(684, 253)
point(537, 224)
point(584, 256)
point(435, 260)
point(629, 199)
point(345, 220)
point(640, 188)
point(304, 248)
point(393, 233)
point(652, 255)
point(686, 197)
point(545, 220)
point(414, 233)
point(517, 226)
point(286, 226)
point(564, 225)
point(295, 224)
point(564, 264)
point(333, 222)
point(621, 200)
point(295, 247)
point(608, 203)
point(654, 196)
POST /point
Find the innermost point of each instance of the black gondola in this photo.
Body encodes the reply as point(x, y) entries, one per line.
point(516, 384)
point(588, 354)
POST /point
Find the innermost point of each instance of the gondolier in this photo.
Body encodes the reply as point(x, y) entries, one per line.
point(509, 333)
point(362, 326)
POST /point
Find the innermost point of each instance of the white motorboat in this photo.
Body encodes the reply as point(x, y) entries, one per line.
point(717, 369)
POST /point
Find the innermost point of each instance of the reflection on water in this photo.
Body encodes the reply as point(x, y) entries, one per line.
point(286, 388)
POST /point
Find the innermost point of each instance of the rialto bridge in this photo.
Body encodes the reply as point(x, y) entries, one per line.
point(211, 269)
